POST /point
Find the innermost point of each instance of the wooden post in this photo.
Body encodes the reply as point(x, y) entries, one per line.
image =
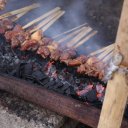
point(117, 88)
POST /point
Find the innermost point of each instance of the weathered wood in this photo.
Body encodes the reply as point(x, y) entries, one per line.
point(117, 88)
point(63, 105)
point(53, 101)
point(122, 35)
point(114, 102)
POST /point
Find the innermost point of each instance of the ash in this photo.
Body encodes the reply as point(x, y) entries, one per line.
point(54, 76)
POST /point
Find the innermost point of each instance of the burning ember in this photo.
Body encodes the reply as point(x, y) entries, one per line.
point(58, 68)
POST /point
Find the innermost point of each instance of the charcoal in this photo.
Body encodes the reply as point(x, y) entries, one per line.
point(91, 95)
point(19, 70)
point(28, 69)
point(60, 91)
point(68, 92)
point(58, 85)
point(38, 75)
point(51, 84)
point(45, 81)
point(65, 86)
point(72, 91)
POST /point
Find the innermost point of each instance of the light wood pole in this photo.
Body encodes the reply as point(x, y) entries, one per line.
point(117, 88)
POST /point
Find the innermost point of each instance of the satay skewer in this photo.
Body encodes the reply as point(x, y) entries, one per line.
point(52, 21)
point(24, 9)
point(50, 13)
point(79, 36)
point(71, 35)
point(85, 39)
point(18, 16)
point(105, 53)
point(108, 57)
point(101, 50)
point(61, 34)
point(47, 20)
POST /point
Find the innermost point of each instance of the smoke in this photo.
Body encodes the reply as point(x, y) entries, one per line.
point(77, 13)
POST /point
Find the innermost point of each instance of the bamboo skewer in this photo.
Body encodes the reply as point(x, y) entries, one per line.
point(85, 39)
point(79, 36)
point(102, 55)
point(108, 57)
point(41, 17)
point(71, 35)
point(24, 9)
point(101, 50)
point(19, 16)
point(46, 21)
point(69, 31)
point(52, 21)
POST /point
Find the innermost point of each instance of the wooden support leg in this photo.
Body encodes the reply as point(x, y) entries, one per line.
point(117, 88)
point(114, 102)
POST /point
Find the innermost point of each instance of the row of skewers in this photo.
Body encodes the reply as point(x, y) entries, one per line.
point(32, 38)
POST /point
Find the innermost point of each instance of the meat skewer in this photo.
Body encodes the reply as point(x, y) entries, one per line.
point(24, 9)
point(41, 17)
point(101, 50)
point(69, 31)
point(52, 18)
point(21, 37)
point(18, 16)
point(79, 36)
point(85, 39)
point(53, 21)
point(71, 35)
point(51, 49)
point(2, 4)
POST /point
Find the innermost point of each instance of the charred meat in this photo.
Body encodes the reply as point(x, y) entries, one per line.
point(77, 61)
point(55, 55)
point(67, 54)
point(2, 4)
point(17, 36)
point(5, 25)
point(43, 51)
point(30, 44)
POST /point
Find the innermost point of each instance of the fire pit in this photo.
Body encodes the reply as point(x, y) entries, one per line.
point(52, 75)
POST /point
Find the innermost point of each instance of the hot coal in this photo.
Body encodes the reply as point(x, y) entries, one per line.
point(55, 76)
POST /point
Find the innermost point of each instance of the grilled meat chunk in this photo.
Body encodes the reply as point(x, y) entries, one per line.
point(91, 68)
point(17, 36)
point(77, 61)
point(55, 55)
point(43, 51)
point(30, 44)
point(67, 54)
point(2, 4)
point(5, 25)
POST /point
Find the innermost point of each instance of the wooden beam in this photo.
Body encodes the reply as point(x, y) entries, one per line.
point(63, 105)
point(122, 35)
point(117, 88)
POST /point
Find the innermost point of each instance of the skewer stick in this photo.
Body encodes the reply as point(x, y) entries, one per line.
point(19, 16)
point(101, 50)
point(71, 35)
point(69, 31)
point(46, 21)
point(108, 57)
point(79, 36)
point(41, 17)
point(53, 21)
point(27, 8)
point(102, 55)
point(85, 39)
